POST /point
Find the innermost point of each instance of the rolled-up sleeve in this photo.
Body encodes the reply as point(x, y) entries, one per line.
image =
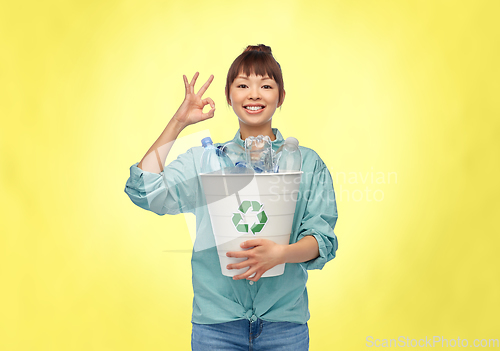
point(320, 217)
point(171, 191)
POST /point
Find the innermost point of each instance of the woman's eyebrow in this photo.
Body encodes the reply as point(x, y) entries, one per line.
point(243, 77)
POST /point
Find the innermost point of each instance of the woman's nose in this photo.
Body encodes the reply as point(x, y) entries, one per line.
point(254, 94)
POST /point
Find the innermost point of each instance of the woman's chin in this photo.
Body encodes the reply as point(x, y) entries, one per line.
point(254, 122)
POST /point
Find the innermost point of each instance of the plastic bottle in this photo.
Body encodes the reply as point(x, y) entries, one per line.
point(213, 159)
point(260, 153)
point(235, 152)
point(242, 168)
point(288, 157)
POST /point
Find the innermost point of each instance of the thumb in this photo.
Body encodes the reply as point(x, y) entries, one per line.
point(208, 115)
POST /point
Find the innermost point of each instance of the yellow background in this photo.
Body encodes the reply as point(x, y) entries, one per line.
point(374, 87)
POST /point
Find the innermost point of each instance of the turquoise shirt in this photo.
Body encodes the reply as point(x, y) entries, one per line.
point(218, 298)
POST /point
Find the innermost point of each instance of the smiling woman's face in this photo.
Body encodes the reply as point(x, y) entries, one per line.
point(254, 99)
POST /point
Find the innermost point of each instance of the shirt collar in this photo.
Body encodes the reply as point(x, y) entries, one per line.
point(275, 143)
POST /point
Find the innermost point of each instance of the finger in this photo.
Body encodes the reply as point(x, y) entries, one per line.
point(208, 115)
point(205, 86)
point(248, 273)
point(186, 84)
point(252, 242)
point(256, 276)
point(241, 265)
point(193, 81)
point(244, 275)
point(208, 101)
point(237, 254)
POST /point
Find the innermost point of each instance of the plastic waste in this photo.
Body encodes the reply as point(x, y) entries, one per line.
point(288, 157)
point(213, 159)
point(242, 167)
point(259, 153)
point(235, 152)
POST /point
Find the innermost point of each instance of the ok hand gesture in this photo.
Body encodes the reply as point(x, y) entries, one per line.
point(191, 110)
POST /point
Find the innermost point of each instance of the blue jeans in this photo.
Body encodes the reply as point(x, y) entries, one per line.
point(244, 335)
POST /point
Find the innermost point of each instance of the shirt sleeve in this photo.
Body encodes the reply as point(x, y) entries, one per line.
point(320, 217)
point(172, 191)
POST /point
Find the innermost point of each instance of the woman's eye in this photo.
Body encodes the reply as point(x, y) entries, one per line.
point(245, 86)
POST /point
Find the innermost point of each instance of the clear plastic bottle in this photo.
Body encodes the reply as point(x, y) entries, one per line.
point(288, 157)
point(259, 153)
point(213, 159)
point(242, 168)
point(235, 152)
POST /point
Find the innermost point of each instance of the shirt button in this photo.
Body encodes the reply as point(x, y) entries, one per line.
point(250, 282)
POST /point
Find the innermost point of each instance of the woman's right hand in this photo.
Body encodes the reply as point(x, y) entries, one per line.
point(191, 110)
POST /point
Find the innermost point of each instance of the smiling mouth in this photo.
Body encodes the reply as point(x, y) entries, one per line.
point(253, 108)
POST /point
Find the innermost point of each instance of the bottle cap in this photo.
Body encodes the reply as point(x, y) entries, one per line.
point(292, 140)
point(206, 141)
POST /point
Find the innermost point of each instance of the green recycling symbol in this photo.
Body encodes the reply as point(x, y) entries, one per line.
point(256, 227)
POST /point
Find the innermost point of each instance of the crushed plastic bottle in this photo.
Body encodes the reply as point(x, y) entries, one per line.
point(288, 157)
point(213, 159)
point(242, 168)
point(260, 153)
point(235, 152)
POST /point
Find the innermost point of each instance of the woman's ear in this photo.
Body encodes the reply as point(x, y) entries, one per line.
point(284, 93)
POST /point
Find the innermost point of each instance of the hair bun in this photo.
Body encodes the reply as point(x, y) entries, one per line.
point(260, 47)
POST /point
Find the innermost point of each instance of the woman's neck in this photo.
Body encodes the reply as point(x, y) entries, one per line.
point(246, 131)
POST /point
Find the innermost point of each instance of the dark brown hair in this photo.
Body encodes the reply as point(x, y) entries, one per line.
point(257, 60)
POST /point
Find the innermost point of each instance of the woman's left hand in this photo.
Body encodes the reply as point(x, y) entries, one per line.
point(263, 256)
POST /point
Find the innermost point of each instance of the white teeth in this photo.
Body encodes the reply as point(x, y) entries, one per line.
point(254, 108)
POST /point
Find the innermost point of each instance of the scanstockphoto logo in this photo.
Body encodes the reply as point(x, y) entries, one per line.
point(321, 186)
point(347, 186)
point(433, 341)
point(363, 186)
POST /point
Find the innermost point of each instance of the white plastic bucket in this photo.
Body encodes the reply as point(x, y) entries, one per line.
point(250, 206)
